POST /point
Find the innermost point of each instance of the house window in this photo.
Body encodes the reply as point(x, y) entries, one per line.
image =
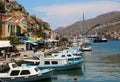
point(47, 62)
point(54, 62)
point(25, 72)
point(14, 73)
point(24, 22)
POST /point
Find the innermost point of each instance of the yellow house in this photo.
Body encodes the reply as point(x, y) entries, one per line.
point(12, 25)
point(8, 25)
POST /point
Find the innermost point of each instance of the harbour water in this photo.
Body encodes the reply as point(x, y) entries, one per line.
point(102, 64)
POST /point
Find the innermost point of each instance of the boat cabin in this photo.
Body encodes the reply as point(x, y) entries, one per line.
point(22, 70)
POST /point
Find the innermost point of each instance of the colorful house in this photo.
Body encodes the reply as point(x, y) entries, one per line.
point(13, 25)
point(50, 34)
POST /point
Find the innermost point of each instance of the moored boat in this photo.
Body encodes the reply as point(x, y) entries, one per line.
point(56, 62)
point(100, 39)
point(86, 48)
point(25, 73)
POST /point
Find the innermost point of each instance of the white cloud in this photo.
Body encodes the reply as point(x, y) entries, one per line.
point(63, 15)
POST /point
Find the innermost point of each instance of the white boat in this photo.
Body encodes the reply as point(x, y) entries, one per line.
point(97, 39)
point(73, 51)
point(100, 39)
point(25, 73)
point(56, 62)
point(86, 48)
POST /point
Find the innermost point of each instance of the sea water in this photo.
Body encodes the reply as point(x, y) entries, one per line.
point(102, 64)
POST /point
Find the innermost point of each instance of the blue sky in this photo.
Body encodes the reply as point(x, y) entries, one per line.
point(65, 12)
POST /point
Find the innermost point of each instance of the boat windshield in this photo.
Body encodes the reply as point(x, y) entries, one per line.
point(14, 65)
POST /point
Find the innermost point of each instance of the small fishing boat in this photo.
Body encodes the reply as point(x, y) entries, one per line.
point(72, 51)
point(25, 73)
point(86, 48)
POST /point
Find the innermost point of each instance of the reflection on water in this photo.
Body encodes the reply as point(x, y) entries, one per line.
point(71, 72)
point(45, 80)
point(67, 75)
point(113, 58)
point(103, 63)
point(102, 71)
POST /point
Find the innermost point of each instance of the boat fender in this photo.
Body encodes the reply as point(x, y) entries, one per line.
point(75, 78)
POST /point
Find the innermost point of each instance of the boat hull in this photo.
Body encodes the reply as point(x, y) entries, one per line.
point(95, 41)
point(72, 65)
point(46, 75)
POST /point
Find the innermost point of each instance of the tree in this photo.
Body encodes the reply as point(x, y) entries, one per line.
point(2, 7)
point(64, 39)
point(13, 40)
point(38, 31)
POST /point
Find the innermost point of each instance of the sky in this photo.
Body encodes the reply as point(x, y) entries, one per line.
point(62, 13)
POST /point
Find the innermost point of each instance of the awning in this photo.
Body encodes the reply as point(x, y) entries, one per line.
point(5, 44)
point(31, 40)
point(39, 38)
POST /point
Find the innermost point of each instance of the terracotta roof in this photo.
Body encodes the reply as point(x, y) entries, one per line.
point(4, 18)
point(17, 18)
point(48, 32)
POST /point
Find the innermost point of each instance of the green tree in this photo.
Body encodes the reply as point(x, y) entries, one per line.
point(64, 39)
point(2, 8)
point(13, 40)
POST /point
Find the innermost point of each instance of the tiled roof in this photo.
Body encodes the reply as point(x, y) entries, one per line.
point(48, 32)
point(17, 18)
point(4, 18)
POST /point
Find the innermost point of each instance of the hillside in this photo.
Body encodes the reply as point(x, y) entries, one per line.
point(16, 10)
point(106, 22)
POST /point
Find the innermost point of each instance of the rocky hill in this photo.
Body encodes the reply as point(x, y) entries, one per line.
point(108, 22)
point(12, 8)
